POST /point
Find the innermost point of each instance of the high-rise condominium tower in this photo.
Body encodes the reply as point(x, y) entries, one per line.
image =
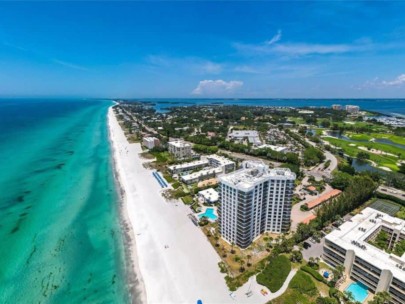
point(254, 200)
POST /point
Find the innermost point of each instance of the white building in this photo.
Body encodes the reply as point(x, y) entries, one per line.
point(254, 200)
point(208, 196)
point(198, 164)
point(179, 149)
point(150, 142)
point(281, 149)
point(200, 175)
point(352, 109)
point(349, 245)
point(251, 135)
point(337, 107)
point(217, 161)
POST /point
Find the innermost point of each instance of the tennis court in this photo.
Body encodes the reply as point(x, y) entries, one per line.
point(386, 206)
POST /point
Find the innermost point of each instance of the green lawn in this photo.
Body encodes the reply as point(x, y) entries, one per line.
point(302, 289)
point(187, 199)
point(381, 160)
point(371, 127)
point(394, 138)
point(275, 273)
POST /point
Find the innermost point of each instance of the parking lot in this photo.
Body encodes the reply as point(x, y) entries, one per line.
point(315, 251)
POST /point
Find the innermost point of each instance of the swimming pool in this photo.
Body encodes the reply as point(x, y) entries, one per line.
point(359, 291)
point(209, 213)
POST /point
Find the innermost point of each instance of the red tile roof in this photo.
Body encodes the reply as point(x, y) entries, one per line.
point(323, 198)
point(308, 219)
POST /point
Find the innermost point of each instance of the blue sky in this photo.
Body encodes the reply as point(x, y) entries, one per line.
point(328, 49)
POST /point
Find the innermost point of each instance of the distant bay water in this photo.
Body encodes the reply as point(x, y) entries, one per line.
point(385, 106)
point(60, 234)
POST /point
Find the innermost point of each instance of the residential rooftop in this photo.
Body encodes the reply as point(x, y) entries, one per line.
point(253, 173)
point(323, 198)
point(179, 144)
point(354, 235)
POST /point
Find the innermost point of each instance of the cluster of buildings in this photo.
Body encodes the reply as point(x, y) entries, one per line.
point(349, 245)
point(205, 168)
point(254, 200)
point(351, 109)
point(390, 120)
point(240, 135)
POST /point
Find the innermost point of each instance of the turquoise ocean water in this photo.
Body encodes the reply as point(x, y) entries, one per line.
point(60, 234)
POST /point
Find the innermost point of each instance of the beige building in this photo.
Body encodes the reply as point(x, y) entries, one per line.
point(179, 149)
point(150, 142)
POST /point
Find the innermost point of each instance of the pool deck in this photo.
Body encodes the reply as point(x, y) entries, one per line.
point(349, 281)
point(204, 209)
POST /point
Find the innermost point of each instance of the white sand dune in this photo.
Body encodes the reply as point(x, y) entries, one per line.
point(188, 269)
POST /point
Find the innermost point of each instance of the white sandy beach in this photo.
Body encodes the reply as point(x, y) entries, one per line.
point(188, 269)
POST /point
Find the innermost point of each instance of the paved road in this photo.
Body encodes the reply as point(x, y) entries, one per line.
point(319, 172)
point(392, 191)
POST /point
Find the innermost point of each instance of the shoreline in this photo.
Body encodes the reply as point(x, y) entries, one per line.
point(176, 262)
point(133, 278)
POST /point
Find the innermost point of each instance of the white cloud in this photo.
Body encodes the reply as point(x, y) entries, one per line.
point(247, 69)
point(211, 67)
point(194, 64)
point(276, 38)
point(217, 87)
point(70, 65)
point(399, 81)
point(377, 83)
point(273, 46)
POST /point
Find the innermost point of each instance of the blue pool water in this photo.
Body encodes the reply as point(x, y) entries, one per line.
point(209, 212)
point(359, 291)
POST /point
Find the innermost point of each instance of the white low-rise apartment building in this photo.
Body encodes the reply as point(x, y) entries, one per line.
point(185, 167)
point(349, 245)
point(200, 175)
point(209, 196)
point(217, 161)
point(179, 149)
point(150, 142)
point(281, 149)
point(254, 200)
point(251, 135)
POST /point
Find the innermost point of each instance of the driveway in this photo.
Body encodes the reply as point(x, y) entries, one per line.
point(297, 216)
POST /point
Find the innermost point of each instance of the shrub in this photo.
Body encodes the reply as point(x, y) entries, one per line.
point(304, 207)
point(275, 273)
point(175, 185)
point(187, 199)
point(169, 178)
point(303, 284)
point(313, 273)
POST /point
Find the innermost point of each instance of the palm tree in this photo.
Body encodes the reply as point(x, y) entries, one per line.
point(248, 260)
point(216, 240)
point(233, 250)
point(381, 298)
point(241, 262)
point(348, 296)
